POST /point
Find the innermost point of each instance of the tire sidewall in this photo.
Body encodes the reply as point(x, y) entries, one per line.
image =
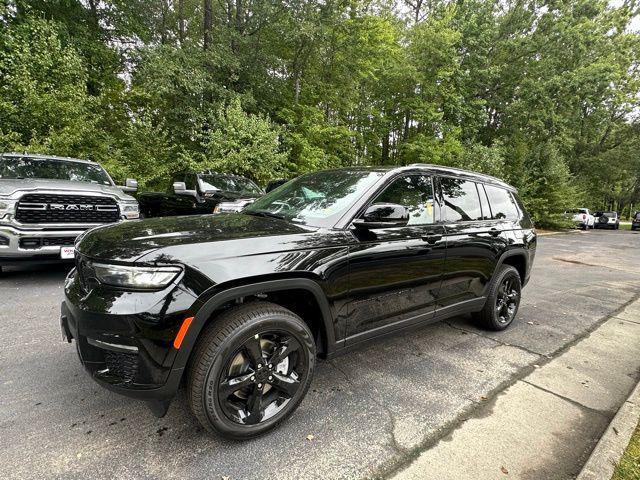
point(209, 395)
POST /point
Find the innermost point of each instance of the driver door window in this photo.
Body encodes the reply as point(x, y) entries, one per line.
point(414, 192)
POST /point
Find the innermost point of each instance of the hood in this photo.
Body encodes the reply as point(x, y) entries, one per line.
point(9, 186)
point(185, 239)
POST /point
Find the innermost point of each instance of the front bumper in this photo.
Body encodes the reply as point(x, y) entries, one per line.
point(124, 339)
point(23, 245)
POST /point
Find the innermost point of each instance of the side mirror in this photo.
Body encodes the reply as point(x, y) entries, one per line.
point(180, 188)
point(383, 215)
point(130, 185)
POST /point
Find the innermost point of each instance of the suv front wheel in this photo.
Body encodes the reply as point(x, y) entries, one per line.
point(503, 300)
point(250, 369)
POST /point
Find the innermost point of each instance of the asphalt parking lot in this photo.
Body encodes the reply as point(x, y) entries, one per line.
point(366, 413)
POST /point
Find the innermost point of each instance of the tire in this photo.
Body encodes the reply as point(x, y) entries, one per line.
point(232, 336)
point(489, 317)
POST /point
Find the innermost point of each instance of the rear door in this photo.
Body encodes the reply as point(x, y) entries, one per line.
point(475, 241)
point(395, 273)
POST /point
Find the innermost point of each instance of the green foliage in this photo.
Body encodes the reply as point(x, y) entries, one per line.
point(243, 144)
point(541, 94)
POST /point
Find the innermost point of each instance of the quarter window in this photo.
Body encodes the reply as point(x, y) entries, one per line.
point(414, 192)
point(502, 204)
point(460, 200)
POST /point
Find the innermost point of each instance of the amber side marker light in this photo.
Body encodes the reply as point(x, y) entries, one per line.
point(182, 332)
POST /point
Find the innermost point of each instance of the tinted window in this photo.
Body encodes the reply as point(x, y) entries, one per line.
point(460, 200)
point(415, 193)
point(190, 181)
point(502, 204)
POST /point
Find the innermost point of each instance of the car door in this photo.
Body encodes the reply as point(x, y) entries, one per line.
point(395, 273)
point(475, 241)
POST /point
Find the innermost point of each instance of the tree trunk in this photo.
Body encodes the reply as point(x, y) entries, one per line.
point(385, 148)
point(181, 33)
point(208, 23)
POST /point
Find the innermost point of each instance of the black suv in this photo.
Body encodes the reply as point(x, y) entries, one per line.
point(197, 193)
point(241, 304)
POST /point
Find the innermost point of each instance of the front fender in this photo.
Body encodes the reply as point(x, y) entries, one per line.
point(208, 303)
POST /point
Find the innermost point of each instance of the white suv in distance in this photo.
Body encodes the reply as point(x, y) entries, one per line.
point(607, 220)
point(582, 217)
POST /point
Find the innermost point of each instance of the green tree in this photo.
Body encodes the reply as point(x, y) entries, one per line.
point(244, 144)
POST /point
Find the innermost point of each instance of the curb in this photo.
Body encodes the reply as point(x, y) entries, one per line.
point(609, 449)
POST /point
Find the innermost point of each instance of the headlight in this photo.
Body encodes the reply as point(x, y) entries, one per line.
point(130, 210)
point(135, 277)
point(6, 206)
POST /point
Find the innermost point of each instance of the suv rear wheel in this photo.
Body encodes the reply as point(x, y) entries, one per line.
point(251, 368)
point(503, 301)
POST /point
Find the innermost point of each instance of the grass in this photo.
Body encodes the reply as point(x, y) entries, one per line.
point(629, 466)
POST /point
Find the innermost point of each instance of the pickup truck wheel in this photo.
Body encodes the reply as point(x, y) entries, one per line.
point(503, 301)
point(250, 369)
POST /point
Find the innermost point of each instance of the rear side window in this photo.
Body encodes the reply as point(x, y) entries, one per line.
point(502, 204)
point(460, 200)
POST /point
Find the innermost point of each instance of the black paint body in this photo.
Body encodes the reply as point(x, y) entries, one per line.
point(353, 284)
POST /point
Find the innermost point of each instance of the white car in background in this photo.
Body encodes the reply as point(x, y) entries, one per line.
point(582, 217)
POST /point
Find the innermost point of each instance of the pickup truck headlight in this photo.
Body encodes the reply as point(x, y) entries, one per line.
point(135, 277)
point(6, 206)
point(130, 210)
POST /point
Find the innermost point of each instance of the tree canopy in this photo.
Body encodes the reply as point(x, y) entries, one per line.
point(541, 93)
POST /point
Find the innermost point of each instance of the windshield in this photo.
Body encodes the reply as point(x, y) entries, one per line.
point(316, 199)
point(228, 183)
point(52, 169)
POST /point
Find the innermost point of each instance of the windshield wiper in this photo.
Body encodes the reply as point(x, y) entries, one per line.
point(264, 213)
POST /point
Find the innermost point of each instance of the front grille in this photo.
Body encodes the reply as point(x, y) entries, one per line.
point(35, 242)
point(61, 208)
point(122, 365)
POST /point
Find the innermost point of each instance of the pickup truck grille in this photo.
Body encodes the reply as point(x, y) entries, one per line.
point(38, 242)
point(61, 208)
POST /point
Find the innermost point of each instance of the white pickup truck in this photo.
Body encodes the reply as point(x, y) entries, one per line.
point(582, 217)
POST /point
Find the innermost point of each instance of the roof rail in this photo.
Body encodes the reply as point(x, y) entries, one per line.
point(461, 170)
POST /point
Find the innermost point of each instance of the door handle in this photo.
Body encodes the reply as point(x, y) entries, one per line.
point(494, 232)
point(432, 238)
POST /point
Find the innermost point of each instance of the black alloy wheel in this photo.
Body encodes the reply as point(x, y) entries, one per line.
point(261, 378)
point(250, 369)
point(503, 300)
point(507, 300)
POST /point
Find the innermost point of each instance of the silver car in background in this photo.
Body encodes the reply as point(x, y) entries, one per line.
point(47, 201)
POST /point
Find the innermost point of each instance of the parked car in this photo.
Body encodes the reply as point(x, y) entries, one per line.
point(635, 221)
point(241, 304)
point(582, 218)
point(47, 201)
point(607, 220)
point(199, 193)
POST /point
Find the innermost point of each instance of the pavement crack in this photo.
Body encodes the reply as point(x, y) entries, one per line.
point(395, 445)
point(504, 344)
point(573, 402)
point(627, 320)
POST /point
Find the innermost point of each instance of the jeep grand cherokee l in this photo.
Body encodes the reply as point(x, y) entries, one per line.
point(241, 304)
point(46, 202)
